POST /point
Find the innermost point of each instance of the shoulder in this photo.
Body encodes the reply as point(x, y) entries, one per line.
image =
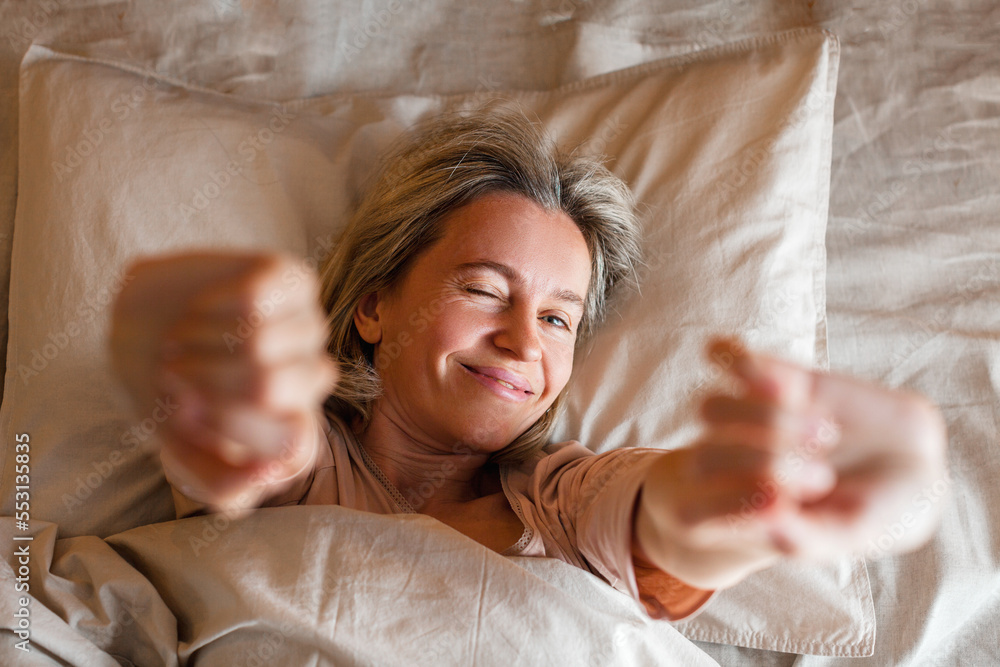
point(567, 450)
point(572, 452)
point(547, 459)
point(568, 467)
point(337, 432)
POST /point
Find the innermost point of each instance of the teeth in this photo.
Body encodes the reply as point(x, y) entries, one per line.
point(506, 384)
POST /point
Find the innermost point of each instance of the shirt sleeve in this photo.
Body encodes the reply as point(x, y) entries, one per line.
point(584, 504)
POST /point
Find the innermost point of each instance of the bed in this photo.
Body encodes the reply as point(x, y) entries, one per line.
point(816, 178)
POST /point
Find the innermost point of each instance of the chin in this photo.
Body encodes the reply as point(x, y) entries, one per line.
point(484, 443)
point(487, 435)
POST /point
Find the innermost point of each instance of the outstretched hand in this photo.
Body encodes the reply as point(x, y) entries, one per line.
point(799, 463)
point(232, 347)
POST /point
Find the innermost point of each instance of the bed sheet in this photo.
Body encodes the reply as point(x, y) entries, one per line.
point(337, 590)
point(913, 242)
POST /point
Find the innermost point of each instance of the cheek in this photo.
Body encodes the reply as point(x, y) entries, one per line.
point(414, 335)
point(559, 367)
point(453, 329)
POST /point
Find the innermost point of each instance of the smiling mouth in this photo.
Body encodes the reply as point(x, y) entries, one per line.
point(502, 383)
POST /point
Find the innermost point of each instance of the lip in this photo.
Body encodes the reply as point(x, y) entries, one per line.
point(488, 376)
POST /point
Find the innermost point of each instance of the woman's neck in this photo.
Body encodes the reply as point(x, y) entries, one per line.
point(429, 474)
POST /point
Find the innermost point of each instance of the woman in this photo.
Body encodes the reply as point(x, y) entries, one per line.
point(478, 262)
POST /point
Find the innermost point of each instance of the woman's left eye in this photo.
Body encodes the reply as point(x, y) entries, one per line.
point(557, 320)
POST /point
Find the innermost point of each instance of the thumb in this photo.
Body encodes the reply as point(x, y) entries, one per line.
point(764, 377)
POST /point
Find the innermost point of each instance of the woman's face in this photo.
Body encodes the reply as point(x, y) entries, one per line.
point(477, 341)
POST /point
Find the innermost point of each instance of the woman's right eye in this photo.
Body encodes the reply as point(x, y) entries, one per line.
point(479, 291)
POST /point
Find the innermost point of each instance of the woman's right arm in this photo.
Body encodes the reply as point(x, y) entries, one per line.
point(800, 463)
point(232, 348)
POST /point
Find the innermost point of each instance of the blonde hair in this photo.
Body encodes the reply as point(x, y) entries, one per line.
point(442, 164)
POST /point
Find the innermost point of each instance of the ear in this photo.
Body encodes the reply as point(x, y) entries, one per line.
point(366, 318)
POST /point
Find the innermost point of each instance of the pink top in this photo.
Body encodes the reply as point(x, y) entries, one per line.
point(575, 506)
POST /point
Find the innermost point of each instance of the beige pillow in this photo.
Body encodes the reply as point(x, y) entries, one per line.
point(728, 150)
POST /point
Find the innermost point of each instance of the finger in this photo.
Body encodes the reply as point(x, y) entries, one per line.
point(768, 378)
point(882, 419)
point(238, 437)
point(710, 458)
point(720, 409)
point(764, 438)
point(200, 474)
point(292, 386)
point(727, 498)
point(815, 536)
point(843, 520)
point(233, 493)
point(279, 440)
point(181, 276)
point(270, 285)
point(807, 480)
point(205, 476)
point(269, 340)
point(798, 466)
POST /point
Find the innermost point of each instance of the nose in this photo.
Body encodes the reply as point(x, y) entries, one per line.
point(518, 333)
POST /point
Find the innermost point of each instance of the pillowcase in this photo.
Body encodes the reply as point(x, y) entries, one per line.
point(728, 151)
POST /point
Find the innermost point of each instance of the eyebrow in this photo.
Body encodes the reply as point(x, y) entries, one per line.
point(511, 275)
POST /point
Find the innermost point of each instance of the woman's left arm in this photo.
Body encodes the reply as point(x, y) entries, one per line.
point(802, 464)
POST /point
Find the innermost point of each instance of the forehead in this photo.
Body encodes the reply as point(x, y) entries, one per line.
point(545, 248)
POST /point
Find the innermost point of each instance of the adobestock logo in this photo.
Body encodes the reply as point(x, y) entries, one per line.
point(249, 148)
point(101, 471)
point(87, 313)
point(92, 136)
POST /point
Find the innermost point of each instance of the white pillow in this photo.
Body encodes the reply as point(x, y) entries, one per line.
point(728, 151)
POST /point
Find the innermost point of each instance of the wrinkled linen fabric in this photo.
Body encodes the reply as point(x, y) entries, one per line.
point(336, 587)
